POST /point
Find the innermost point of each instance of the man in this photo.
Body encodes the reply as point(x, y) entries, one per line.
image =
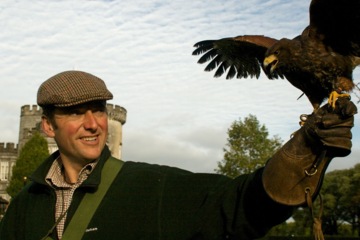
point(147, 201)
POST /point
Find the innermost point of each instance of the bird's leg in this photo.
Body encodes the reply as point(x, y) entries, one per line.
point(334, 95)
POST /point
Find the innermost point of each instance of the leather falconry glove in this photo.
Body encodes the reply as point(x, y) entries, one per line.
point(296, 171)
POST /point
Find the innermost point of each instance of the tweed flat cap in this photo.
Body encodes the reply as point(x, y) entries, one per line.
point(70, 88)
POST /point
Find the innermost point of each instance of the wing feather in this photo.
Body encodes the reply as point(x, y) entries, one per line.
point(241, 56)
point(212, 65)
point(203, 46)
point(232, 73)
point(221, 69)
point(212, 53)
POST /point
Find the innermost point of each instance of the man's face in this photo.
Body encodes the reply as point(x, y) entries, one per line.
point(80, 131)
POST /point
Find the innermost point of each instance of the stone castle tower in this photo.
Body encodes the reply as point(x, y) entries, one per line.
point(117, 118)
point(30, 119)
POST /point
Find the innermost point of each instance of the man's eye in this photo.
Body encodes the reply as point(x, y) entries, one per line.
point(75, 112)
point(99, 113)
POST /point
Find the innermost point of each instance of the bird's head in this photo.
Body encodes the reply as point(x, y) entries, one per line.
point(276, 56)
point(271, 62)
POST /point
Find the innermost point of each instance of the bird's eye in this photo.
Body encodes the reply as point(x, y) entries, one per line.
point(277, 52)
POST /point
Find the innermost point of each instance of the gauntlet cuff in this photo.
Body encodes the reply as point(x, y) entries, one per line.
point(295, 170)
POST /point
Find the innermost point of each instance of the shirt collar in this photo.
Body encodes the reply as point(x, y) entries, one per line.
point(56, 177)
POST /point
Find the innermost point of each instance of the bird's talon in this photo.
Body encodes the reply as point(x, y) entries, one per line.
point(334, 95)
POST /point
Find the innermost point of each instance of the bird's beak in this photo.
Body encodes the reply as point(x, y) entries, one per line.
point(271, 62)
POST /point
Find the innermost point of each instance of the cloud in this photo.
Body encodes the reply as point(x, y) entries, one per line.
point(163, 149)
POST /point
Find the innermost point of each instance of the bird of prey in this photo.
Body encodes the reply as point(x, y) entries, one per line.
point(319, 62)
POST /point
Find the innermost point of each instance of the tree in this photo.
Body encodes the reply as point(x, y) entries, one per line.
point(336, 191)
point(355, 200)
point(30, 157)
point(341, 201)
point(248, 147)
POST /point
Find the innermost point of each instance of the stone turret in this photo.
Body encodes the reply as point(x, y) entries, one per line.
point(117, 118)
point(30, 118)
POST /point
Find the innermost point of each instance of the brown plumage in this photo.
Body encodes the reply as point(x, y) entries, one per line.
point(319, 61)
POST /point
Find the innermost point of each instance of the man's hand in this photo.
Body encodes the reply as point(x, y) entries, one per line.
point(297, 169)
point(332, 127)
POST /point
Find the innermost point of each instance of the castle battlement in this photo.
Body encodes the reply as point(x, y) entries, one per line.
point(117, 113)
point(8, 148)
point(31, 110)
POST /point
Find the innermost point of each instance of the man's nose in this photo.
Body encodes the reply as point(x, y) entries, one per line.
point(90, 120)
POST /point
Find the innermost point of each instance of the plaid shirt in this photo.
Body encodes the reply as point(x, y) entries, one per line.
point(64, 191)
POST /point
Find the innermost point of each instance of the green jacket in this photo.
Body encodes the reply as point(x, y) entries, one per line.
point(151, 202)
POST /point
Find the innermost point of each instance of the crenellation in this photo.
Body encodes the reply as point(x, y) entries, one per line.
point(33, 110)
point(117, 113)
point(8, 147)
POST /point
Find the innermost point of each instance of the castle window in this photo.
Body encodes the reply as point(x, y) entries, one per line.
point(4, 171)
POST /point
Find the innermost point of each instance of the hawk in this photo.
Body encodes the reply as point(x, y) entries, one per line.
point(320, 61)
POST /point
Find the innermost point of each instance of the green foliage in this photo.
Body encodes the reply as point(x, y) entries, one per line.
point(30, 157)
point(341, 199)
point(302, 225)
point(283, 229)
point(336, 190)
point(342, 202)
point(248, 147)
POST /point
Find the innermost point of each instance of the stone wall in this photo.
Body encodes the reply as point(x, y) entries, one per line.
point(8, 156)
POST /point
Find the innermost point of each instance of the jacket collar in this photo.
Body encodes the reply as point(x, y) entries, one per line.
point(91, 182)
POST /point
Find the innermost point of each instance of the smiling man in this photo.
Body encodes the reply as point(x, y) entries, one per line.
point(80, 133)
point(82, 192)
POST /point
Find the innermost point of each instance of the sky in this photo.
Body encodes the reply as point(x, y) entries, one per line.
point(177, 114)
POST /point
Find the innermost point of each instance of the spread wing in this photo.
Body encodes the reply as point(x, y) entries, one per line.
point(337, 22)
point(240, 56)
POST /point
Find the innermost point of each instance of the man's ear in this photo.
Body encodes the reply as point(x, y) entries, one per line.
point(47, 127)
